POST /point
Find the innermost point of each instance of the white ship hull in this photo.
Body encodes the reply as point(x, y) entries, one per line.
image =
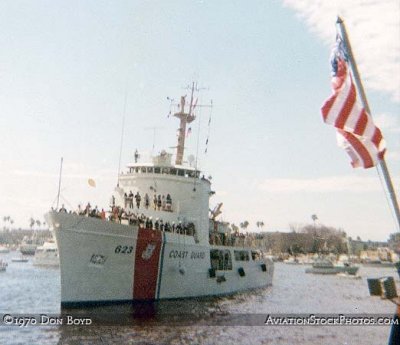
point(102, 261)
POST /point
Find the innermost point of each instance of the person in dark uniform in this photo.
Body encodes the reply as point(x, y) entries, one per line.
point(159, 202)
point(138, 198)
point(168, 202)
point(137, 156)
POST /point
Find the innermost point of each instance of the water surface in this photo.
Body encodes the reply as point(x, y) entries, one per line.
point(237, 319)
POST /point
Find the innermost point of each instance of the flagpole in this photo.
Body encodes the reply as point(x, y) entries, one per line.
point(357, 79)
point(59, 184)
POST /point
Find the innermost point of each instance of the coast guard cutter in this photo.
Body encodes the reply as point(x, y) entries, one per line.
point(153, 251)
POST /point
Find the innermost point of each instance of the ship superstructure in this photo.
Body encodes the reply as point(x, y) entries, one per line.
point(158, 240)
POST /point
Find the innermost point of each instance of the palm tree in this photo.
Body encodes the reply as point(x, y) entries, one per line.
point(260, 224)
point(38, 223)
point(244, 225)
point(31, 222)
point(234, 227)
point(7, 219)
point(314, 218)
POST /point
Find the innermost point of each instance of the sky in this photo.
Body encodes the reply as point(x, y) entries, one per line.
point(71, 72)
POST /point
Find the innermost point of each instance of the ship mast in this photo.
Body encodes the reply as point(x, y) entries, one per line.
point(184, 118)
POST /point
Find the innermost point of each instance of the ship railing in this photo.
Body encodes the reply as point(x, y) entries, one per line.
point(131, 204)
point(131, 207)
point(248, 241)
point(141, 221)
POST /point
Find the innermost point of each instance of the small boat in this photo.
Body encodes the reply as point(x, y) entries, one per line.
point(378, 263)
point(3, 266)
point(47, 255)
point(327, 267)
point(292, 261)
point(20, 259)
point(28, 246)
point(4, 250)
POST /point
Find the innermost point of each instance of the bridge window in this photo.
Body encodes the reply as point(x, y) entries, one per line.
point(181, 172)
point(150, 170)
point(242, 255)
point(221, 259)
point(143, 170)
point(255, 255)
point(172, 171)
point(157, 170)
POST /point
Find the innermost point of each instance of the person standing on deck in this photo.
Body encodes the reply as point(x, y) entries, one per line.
point(168, 202)
point(138, 198)
point(130, 199)
point(126, 200)
point(159, 202)
point(155, 202)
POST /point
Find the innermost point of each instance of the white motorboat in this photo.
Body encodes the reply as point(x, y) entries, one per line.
point(28, 246)
point(47, 255)
point(328, 267)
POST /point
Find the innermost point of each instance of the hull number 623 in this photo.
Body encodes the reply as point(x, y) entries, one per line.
point(123, 249)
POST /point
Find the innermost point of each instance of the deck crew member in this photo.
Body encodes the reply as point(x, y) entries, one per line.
point(155, 202)
point(126, 200)
point(159, 202)
point(138, 198)
point(163, 203)
point(136, 156)
point(87, 209)
point(168, 202)
point(130, 199)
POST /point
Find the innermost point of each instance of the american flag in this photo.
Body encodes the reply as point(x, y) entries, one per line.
point(356, 132)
